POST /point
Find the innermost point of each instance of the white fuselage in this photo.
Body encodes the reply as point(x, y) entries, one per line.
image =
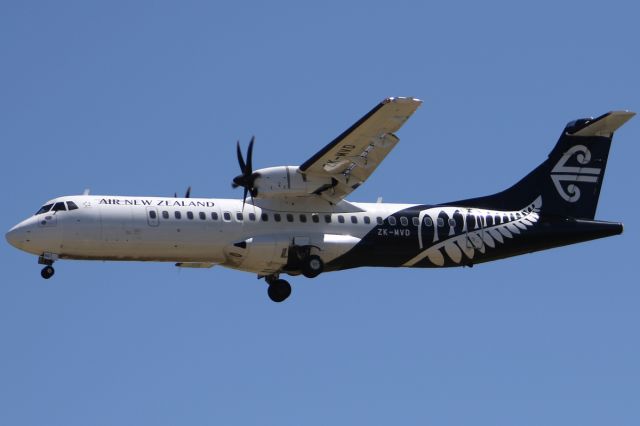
point(195, 231)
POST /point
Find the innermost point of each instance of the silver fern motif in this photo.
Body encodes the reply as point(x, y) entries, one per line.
point(468, 242)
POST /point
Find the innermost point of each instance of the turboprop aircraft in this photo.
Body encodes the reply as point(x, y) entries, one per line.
point(295, 219)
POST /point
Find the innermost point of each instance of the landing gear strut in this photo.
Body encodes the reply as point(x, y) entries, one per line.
point(278, 290)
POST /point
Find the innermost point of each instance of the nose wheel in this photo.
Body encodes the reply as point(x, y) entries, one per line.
point(47, 272)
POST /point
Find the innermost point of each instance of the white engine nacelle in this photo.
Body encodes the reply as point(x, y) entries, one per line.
point(287, 181)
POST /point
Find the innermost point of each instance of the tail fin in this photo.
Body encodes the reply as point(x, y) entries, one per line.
point(569, 181)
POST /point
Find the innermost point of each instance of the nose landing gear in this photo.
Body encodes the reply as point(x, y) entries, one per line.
point(47, 259)
point(47, 272)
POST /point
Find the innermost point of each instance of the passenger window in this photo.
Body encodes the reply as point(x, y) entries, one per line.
point(415, 221)
point(315, 218)
point(404, 221)
point(252, 217)
point(303, 218)
point(340, 218)
point(190, 215)
point(214, 216)
point(440, 222)
point(517, 214)
point(427, 221)
point(71, 205)
point(265, 217)
point(327, 218)
point(354, 219)
point(489, 220)
point(391, 220)
point(289, 217)
point(58, 207)
point(379, 220)
point(367, 220)
point(178, 215)
point(153, 214)
point(452, 223)
point(239, 216)
point(471, 221)
point(277, 217)
point(44, 209)
point(202, 216)
point(165, 214)
point(226, 216)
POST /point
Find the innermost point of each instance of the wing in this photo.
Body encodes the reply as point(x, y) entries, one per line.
point(351, 157)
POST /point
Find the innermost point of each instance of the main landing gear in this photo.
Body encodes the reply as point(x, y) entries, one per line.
point(278, 290)
point(300, 261)
point(312, 266)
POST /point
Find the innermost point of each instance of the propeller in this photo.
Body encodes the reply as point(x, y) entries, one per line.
point(186, 194)
point(248, 177)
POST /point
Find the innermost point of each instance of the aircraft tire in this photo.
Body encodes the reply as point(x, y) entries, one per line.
point(279, 290)
point(312, 266)
point(47, 272)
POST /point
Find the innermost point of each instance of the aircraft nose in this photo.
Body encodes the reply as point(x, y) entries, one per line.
point(16, 235)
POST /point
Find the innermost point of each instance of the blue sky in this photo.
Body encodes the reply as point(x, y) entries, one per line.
point(146, 98)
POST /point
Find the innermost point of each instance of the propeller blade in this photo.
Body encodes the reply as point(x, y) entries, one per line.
point(240, 159)
point(249, 168)
point(244, 197)
point(248, 176)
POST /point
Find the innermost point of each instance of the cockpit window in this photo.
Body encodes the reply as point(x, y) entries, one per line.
point(71, 205)
point(44, 209)
point(59, 206)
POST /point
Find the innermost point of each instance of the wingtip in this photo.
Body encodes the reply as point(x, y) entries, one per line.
point(402, 99)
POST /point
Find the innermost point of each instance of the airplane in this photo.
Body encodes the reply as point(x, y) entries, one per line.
point(295, 220)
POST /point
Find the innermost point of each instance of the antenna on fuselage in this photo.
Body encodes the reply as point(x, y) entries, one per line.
point(86, 191)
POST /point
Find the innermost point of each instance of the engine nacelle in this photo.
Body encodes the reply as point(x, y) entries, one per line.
point(287, 181)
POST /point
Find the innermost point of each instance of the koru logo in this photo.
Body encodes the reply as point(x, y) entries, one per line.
point(563, 173)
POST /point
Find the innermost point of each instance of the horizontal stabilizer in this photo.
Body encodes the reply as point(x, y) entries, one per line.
point(604, 125)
